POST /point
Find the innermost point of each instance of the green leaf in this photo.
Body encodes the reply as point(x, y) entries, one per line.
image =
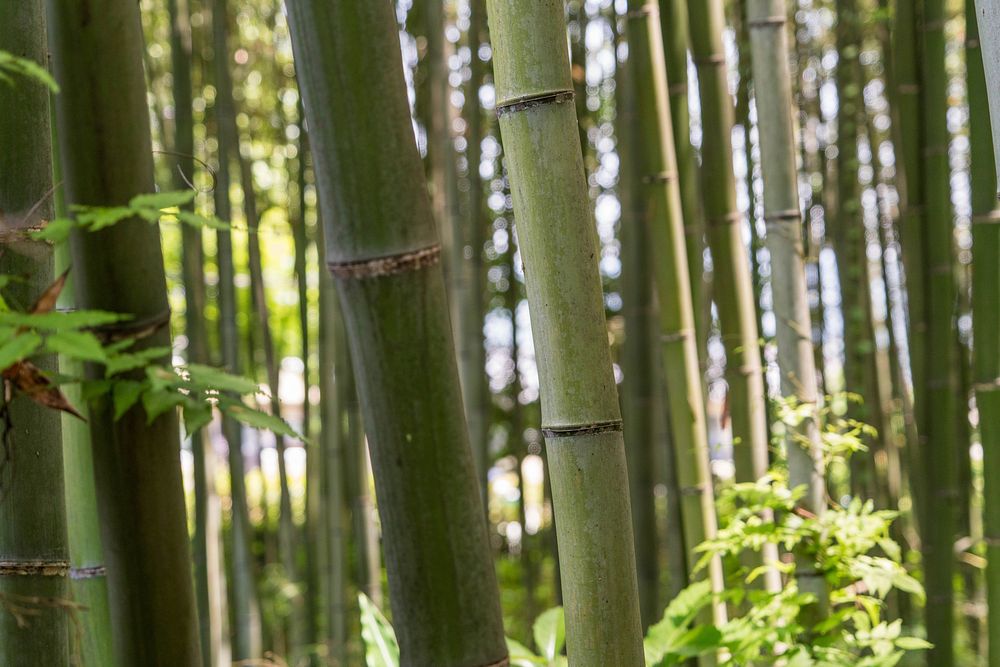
point(207, 378)
point(520, 656)
point(56, 231)
point(18, 348)
point(196, 417)
point(91, 389)
point(549, 632)
point(257, 419)
point(131, 360)
point(913, 644)
point(161, 200)
point(199, 221)
point(81, 345)
point(157, 403)
point(99, 217)
point(125, 394)
point(381, 649)
point(60, 321)
point(27, 68)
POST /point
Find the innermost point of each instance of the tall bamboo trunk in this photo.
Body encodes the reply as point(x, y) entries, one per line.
point(383, 251)
point(244, 601)
point(733, 290)
point(674, 27)
point(107, 159)
point(939, 385)
point(581, 420)
point(657, 207)
point(34, 556)
point(471, 287)
point(776, 125)
point(205, 540)
point(986, 283)
point(640, 398)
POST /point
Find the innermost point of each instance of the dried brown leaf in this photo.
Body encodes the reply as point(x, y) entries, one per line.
point(47, 301)
point(29, 380)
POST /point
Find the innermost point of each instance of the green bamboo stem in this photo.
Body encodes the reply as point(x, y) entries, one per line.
point(657, 207)
point(734, 292)
point(674, 27)
point(939, 301)
point(34, 555)
point(471, 286)
point(983, 61)
point(205, 540)
point(581, 420)
point(640, 400)
point(766, 20)
point(383, 251)
point(332, 457)
point(107, 159)
point(244, 602)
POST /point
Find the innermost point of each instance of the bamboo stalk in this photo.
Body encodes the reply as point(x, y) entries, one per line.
point(983, 75)
point(657, 206)
point(733, 291)
point(939, 381)
point(244, 601)
point(107, 159)
point(34, 556)
point(383, 251)
point(580, 415)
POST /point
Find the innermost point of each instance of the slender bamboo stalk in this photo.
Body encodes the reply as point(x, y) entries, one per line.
point(657, 207)
point(471, 287)
point(34, 556)
point(205, 540)
point(733, 293)
point(639, 395)
point(939, 393)
point(580, 415)
point(383, 251)
point(107, 159)
point(766, 20)
point(674, 27)
point(244, 602)
point(983, 76)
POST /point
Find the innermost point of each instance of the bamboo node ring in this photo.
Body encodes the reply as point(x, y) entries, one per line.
point(678, 88)
point(767, 22)
point(991, 218)
point(133, 328)
point(389, 265)
point(777, 217)
point(731, 218)
point(710, 59)
point(574, 430)
point(693, 490)
point(662, 177)
point(642, 12)
point(535, 100)
point(92, 572)
point(34, 568)
point(675, 336)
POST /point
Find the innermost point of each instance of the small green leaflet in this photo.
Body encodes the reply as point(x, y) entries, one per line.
point(60, 321)
point(12, 65)
point(257, 419)
point(214, 379)
point(161, 200)
point(381, 649)
point(549, 631)
point(77, 344)
point(125, 394)
point(18, 348)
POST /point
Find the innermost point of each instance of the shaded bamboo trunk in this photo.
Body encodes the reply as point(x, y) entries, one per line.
point(382, 249)
point(640, 400)
point(205, 540)
point(581, 420)
point(984, 104)
point(938, 409)
point(244, 601)
point(471, 286)
point(34, 555)
point(107, 159)
point(733, 290)
point(657, 208)
point(776, 125)
point(674, 27)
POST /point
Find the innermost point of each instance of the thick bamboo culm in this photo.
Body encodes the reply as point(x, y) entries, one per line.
point(581, 420)
point(383, 250)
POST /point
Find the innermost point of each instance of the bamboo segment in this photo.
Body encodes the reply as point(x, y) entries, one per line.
point(580, 415)
point(938, 536)
point(657, 202)
point(34, 558)
point(986, 284)
point(733, 290)
point(776, 126)
point(383, 251)
point(107, 159)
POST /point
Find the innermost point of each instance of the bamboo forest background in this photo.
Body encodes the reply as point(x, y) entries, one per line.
point(795, 209)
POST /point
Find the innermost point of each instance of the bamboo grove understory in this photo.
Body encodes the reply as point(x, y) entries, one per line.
point(491, 333)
